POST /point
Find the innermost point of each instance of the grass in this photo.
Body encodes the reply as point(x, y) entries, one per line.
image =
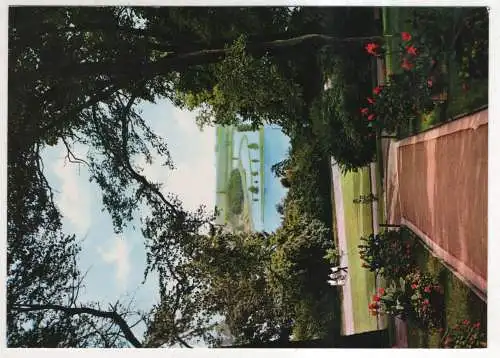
point(358, 223)
point(460, 301)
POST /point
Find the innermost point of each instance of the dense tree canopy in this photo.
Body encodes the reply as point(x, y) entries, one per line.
point(76, 75)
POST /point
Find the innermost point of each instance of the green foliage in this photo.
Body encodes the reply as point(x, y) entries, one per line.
point(246, 127)
point(338, 124)
point(235, 192)
point(253, 189)
point(464, 334)
point(253, 146)
point(418, 298)
point(332, 256)
point(255, 173)
point(388, 253)
point(248, 87)
point(426, 299)
point(297, 264)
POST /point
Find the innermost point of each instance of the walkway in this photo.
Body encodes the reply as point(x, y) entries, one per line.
point(436, 184)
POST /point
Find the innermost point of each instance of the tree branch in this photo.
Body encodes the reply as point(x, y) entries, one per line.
point(112, 315)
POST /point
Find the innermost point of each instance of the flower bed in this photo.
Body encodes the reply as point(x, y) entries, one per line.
point(417, 297)
point(442, 70)
point(388, 254)
point(465, 334)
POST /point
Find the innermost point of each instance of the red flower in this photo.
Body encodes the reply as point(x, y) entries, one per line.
point(414, 286)
point(364, 111)
point(466, 321)
point(427, 289)
point(406, 65)
point(429, 83)
point(411, 50)
point(370, 100)
point(426, 302)
point(371, 48)
point(477, 325)
point(377, 90)
point(376, 298)
point(405, 36)
point(371, 117)
point(381, 291)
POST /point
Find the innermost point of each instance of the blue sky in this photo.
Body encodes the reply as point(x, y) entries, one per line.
point(116, 263)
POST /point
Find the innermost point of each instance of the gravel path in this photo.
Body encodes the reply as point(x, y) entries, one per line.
point(347, 313)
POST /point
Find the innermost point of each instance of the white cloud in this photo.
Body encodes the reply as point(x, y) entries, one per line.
point(118, 254)
point(74, 194)
point(193, 152)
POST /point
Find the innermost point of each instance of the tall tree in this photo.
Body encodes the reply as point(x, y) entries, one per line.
point(76, 75)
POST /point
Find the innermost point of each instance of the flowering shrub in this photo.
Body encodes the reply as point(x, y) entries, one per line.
point(388, 253)
point(418, 297)
point(426, 299)
point(406, 95)
point(464, 335)
point(391, 300)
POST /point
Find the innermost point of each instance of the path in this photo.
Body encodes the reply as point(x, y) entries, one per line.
point(347, 312)
point(436, 184)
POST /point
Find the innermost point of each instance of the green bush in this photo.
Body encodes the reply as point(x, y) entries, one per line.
point(388, 253)
point(338, 123)
point(235, 193)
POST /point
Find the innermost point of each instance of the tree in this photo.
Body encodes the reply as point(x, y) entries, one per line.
point(253, 189)
point(253, 146)
point(76, 75)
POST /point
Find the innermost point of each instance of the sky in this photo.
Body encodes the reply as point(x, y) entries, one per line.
point(114, 264)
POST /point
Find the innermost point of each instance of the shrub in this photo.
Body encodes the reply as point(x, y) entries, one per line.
point(388, 253)
point(338, 124)
point(253, 146)
point(426, 299)
point(253, 189)
point(418, 297)
point(297, 264)
point(465, 334)
point(235, 193)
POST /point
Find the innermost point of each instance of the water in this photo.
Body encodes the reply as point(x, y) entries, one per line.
point(275, 146)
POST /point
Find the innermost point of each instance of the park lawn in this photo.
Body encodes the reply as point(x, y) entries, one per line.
point(460, 301)
point(358, 223)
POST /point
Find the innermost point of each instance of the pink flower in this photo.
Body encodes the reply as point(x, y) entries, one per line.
point(414, 286)
point(370, 100)
point(426, 302)
point(371, 117)
point(411, 50)
point(377, 90)
point(477, 325)
point(364, 111)
point(427, 289)
point(371, 48)
point(429, 83)
point(381, 291)
point(405, 36)
point(406, 65)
